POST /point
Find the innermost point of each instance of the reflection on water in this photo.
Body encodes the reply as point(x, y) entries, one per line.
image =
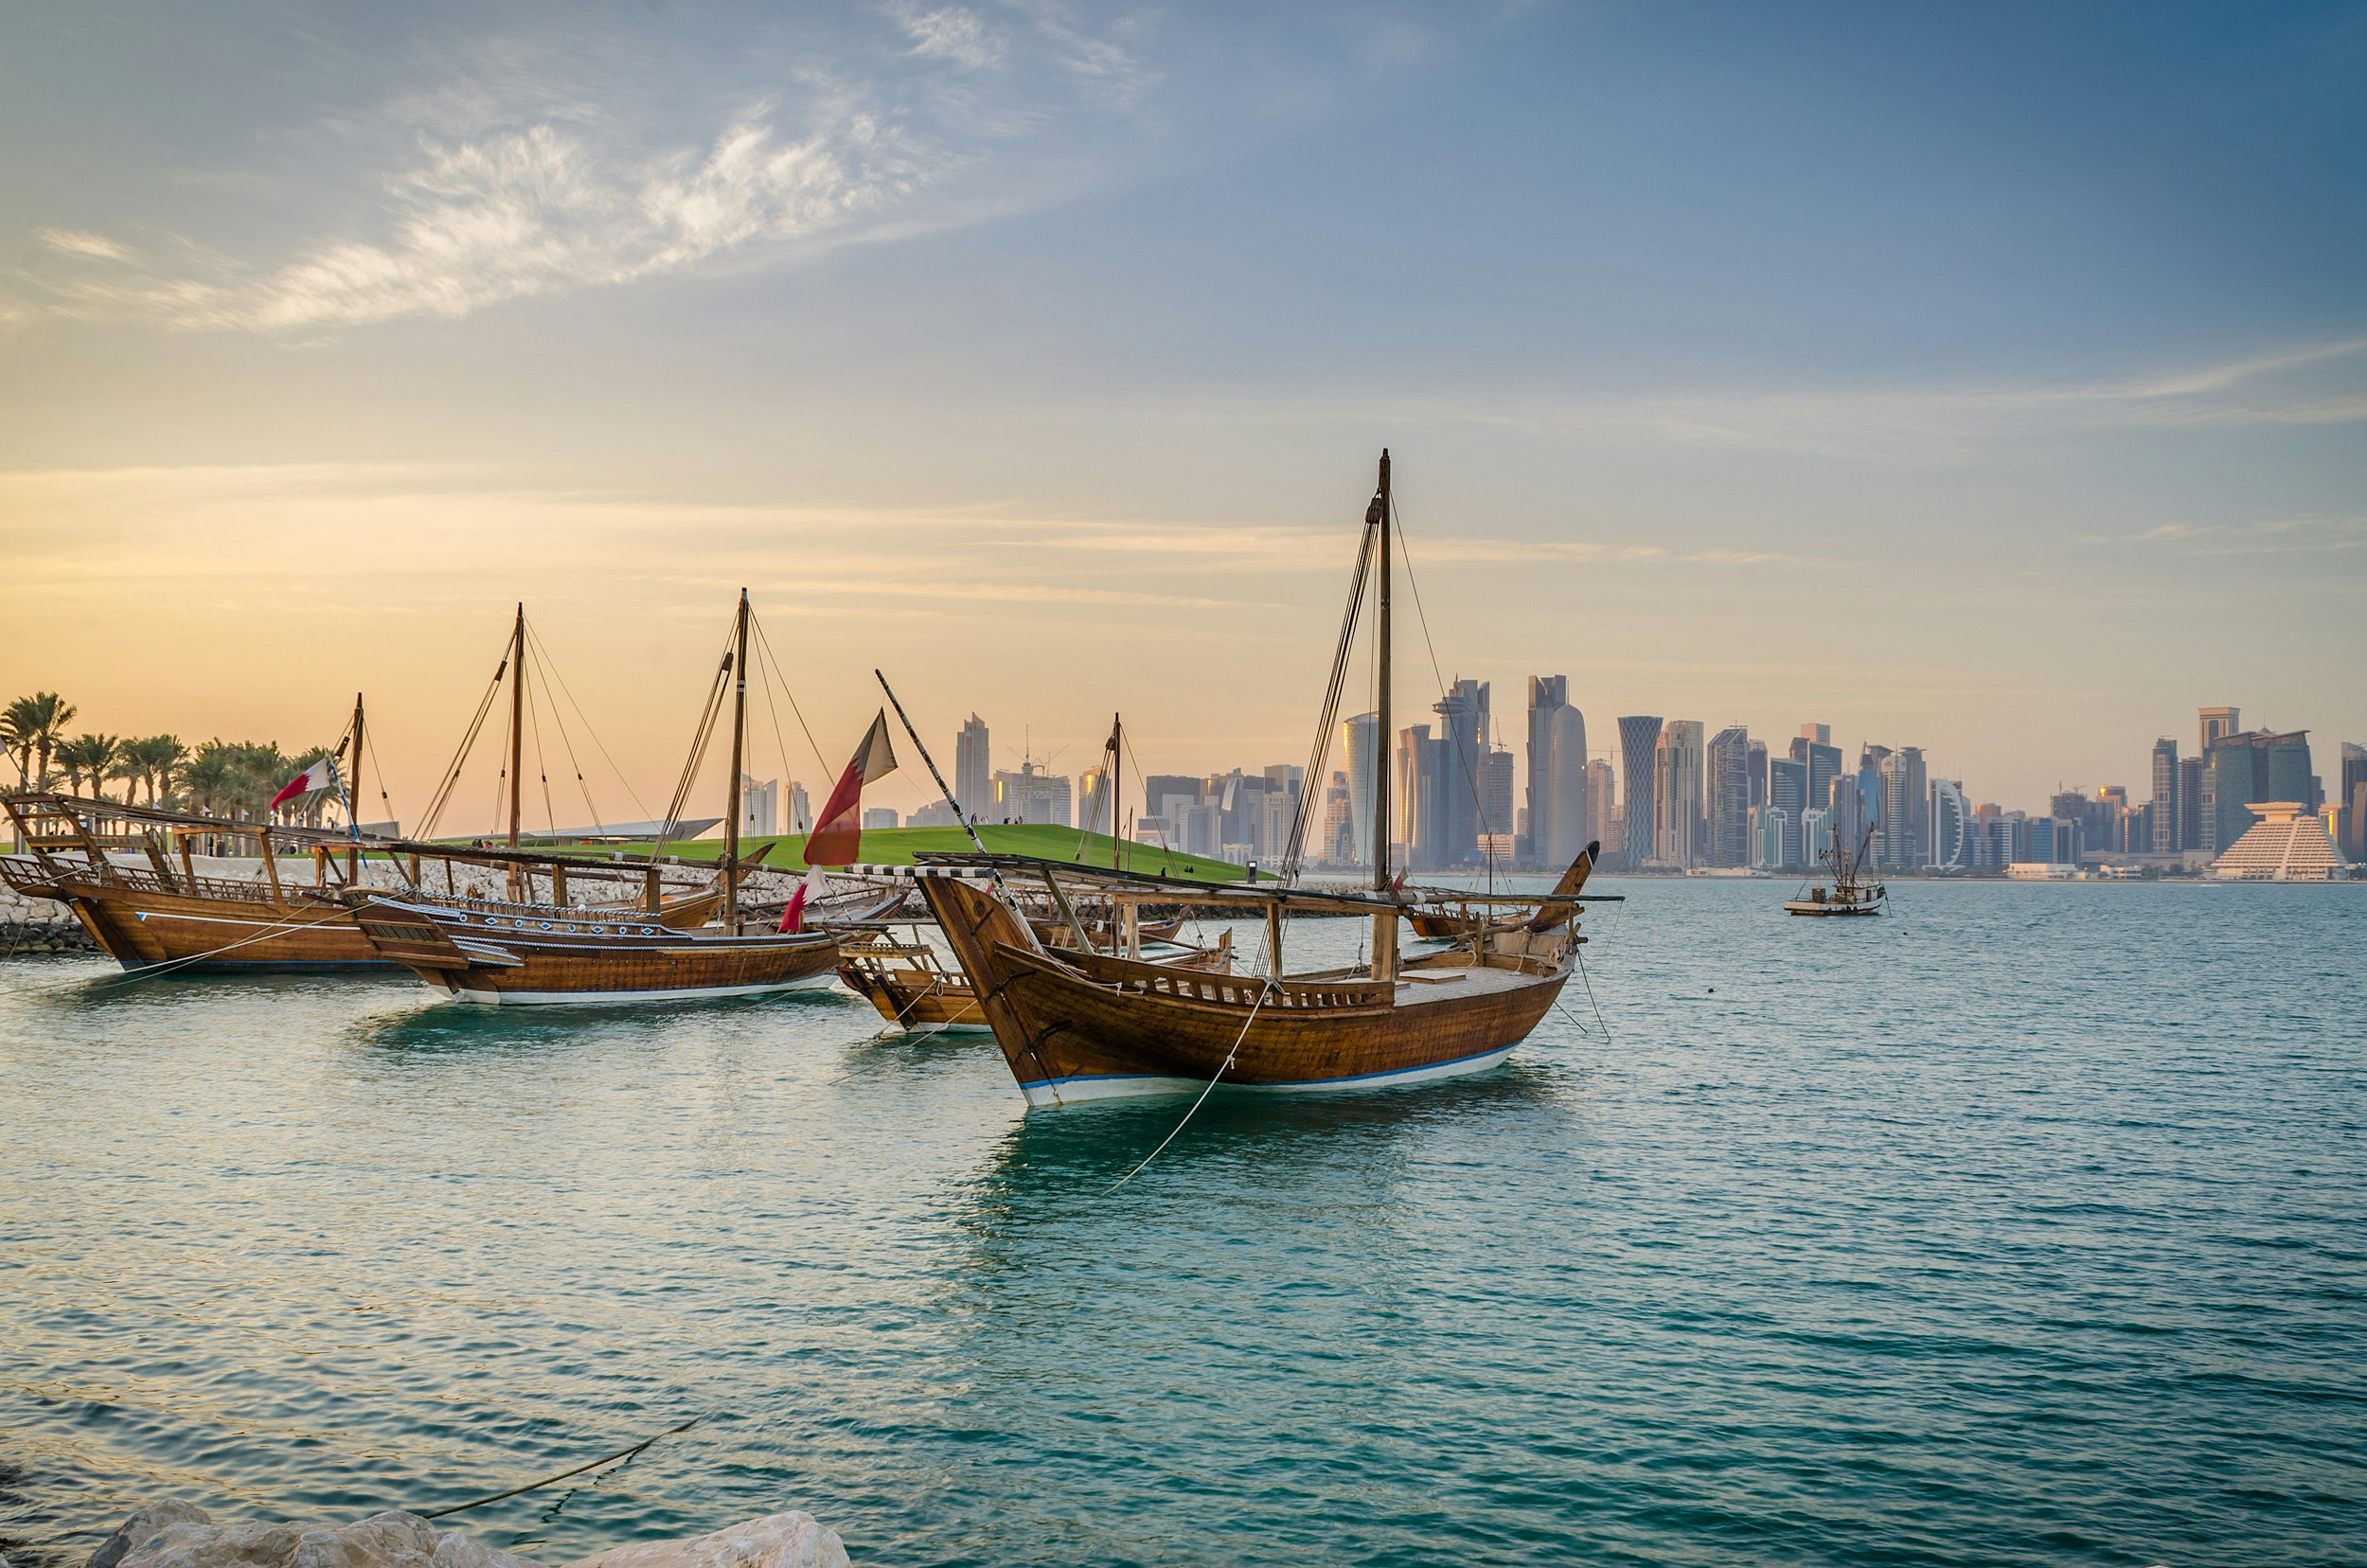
point(1964, 1236)
point(443, 1025)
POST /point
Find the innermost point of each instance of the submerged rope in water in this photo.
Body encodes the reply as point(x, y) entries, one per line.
point(537, 1485)
point(1264, 992)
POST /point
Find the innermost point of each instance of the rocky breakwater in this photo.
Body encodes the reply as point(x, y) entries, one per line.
point(39, 925)
point(177, 1534)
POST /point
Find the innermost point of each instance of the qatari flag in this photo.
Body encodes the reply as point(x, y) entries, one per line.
point(838, 835)
point(320, 775)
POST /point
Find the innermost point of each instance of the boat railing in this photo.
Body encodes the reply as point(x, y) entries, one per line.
point(142, 878)
point(1240, 990)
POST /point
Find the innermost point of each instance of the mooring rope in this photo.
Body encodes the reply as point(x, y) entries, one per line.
point(593, 1464)
point(149, 971)
point(1265, 990)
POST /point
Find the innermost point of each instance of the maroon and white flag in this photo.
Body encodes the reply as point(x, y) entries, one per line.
point(320, 775)
point(838, 835)
point(793, 918)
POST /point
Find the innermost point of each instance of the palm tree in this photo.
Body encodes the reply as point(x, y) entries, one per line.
point(209, 776)
point(31, 728)
point(157, 762)
point(92, 757)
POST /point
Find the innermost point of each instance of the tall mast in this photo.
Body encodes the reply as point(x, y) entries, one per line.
point(1379, 514)
point(353, 799)
point(517, 736)
point(732, 803)
point(1386, 923)
point(1115, 790)
point(517, 717)
point(353, 804)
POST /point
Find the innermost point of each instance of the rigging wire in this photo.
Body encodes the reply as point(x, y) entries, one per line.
point(1478, 805)
point(698, 749)
point(766, 644)
point(541, 769)
point(558, 722)
point(560, 676)
point(441, 796)
point(1263, 991)
point(1311, 788)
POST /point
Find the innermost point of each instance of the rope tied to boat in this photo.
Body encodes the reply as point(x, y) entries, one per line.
point(1267, 988)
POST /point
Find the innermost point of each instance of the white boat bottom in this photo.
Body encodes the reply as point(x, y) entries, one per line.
point(618, 999)
point(1126, 1086)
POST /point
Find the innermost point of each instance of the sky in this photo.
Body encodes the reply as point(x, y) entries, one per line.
point(1988, 379)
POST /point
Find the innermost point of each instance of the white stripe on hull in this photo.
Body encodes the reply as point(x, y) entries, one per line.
point(613, 999)
point(1072, 1091)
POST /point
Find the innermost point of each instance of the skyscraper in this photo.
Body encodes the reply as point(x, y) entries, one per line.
point(1495, 794)
point(1729, 804)
point(2190, 803)
point(2167, 817)
point(2216, 725)
point(2245, 768)
point(1951, 827)
point(1602, 803)
point(1547, 694)
point(1677, 794)
point(1095, 805)
point(1813, 748)
point(1639, 740)
point(973, 770)
point(1421, 762)
point(1788, 794)
point(1359, 737)
point(2355, 800)
point(1756, 766)
point(1564, 831)
point(760, 807)
point(1463, 729)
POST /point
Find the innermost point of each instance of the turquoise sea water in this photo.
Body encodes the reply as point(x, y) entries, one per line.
point(2028, 1224)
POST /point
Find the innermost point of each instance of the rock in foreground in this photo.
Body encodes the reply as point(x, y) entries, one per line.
point(175, 1535)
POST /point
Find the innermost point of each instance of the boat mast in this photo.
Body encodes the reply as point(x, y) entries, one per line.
point(1384, 925)
point(517, 733)
point(353, 799)
point(1116, 777)
point(732, 804)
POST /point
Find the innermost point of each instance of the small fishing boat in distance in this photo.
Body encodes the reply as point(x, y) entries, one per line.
point(1850, 893)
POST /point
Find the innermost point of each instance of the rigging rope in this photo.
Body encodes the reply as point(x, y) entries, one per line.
point(558, 722)
point(1478, 805)
point(442, 795)
point(537, 1485)
point(698, 751)
point(1264, 991)
point(560, 676)
point(1312, 787)
point(765, 644)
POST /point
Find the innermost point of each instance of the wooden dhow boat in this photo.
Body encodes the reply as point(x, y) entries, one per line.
point(1077, 1024)
point(558, 954)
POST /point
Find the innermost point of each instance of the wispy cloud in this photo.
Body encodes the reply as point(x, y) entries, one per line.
point(532, 212)
point(2316, 383)
point(80, 242)
point(507, 184)
point(2310, 534)
point(953, 33)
